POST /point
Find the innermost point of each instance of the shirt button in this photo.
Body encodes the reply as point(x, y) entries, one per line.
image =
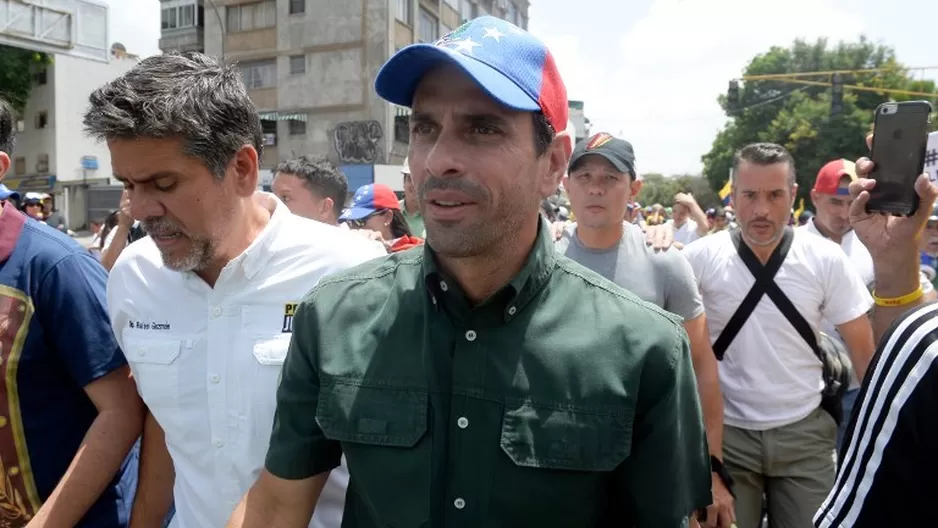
point(459, 503)
point(471, 335)
point(219, 442)
point(444, 286)
point(512, 310)
point(462, 422)
point(215, 378)
point(216, 311)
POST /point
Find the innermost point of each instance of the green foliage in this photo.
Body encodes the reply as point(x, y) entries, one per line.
point(658, 189)
point(798, 116)
point(17, 69)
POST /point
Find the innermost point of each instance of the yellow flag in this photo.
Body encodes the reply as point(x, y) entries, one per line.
point(799, 210)
point(725, 193)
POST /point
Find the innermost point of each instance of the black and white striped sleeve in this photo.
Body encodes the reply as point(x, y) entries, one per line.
point(888, 474)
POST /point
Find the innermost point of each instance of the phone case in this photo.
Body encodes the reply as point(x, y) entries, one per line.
point(900, 137)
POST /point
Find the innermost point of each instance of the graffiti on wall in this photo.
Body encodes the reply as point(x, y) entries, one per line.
point(358, 142)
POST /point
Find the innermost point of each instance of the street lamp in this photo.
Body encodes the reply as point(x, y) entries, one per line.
point(221, 25)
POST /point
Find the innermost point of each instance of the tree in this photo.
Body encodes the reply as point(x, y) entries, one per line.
point(17, 67)
point(658, 189)
point(799, 117)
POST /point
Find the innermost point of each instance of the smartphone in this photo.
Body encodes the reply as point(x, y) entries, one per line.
point(900, 136)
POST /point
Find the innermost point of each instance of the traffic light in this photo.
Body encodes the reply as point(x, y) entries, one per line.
point(837, 95)
point(732, 96)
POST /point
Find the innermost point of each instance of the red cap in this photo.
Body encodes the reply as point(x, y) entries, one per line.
point(828, 178)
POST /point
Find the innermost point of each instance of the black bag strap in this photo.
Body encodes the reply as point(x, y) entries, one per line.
point(782, 302)
point(764, 276)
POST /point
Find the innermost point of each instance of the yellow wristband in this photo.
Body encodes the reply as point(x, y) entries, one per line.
point(899, 301)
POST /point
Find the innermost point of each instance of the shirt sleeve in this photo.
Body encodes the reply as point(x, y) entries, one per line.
point(667, 472)
point(676, 278)
point(72, 309)
point(845, 294)
point(298, 447)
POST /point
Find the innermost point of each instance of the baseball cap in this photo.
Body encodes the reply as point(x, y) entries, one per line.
point(370, 199)
point(828, 178)
point(508, 63)
point(405, 167)
point(32, 198)
point(6, 193)
point(618, 151)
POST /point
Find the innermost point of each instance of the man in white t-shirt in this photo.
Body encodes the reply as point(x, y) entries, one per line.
point(777, 441)
point(688, 220)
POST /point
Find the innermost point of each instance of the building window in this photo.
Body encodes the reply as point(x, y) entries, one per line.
point(512, 14)
point(247, 17)
point(259, 74)
point(42, 76)
point(297, 7)
point(179, 16)
point(42, 119)
point(42, 163)
point(297, 127)
point(404, 11)
point(19, 166)
point(452, 3)
point(297, 64)
point(444, 30)
point(429, 28)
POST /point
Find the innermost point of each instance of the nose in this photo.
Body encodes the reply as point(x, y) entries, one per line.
point(445, 155)
point(143, 205)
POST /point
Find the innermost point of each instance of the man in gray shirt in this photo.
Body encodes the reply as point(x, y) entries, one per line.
point(600, 183)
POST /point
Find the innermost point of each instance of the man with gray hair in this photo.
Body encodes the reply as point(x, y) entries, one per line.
point(203, 307)
point(766, 288)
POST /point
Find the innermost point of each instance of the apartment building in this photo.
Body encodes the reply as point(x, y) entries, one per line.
point(310, 65)
point(52, 154)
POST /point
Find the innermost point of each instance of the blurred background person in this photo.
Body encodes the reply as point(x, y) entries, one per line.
point(408, 205)
point(311, 187)
point(375, 208)
point(32, 205)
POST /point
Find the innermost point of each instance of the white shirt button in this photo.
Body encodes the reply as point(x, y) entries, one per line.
point(459, 503)
point(215, 378)
point(444, 286)
point(219, 442)
point(471, 335)
point(512, 310)
point(216, 311)
point(462, 422)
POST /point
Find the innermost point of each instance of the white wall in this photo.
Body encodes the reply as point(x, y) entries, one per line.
point(74, 80)
point(390, 175)
point(30, 143)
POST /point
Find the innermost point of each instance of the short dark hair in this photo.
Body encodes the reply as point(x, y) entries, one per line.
point(179, 95)
point(764, 154)
point(320, 176)
point(7, 127)
point(543, 133)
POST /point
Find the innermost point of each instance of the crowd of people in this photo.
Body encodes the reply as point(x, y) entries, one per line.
point(473, 354)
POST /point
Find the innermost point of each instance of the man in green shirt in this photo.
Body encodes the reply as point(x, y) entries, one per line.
point(409, 204)
point(484, 380)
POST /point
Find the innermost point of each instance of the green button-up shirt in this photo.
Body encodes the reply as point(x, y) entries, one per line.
point(562, 401)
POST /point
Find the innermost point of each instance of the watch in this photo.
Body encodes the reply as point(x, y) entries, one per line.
point(716, 466)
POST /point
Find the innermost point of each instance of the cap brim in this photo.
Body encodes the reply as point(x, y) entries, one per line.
point(618, 164)
point(356, 213)
point(398, 78)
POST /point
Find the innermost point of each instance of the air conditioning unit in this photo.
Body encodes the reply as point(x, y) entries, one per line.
point(42, 166)
point(270, 140)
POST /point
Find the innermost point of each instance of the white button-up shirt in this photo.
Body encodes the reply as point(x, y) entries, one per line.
point(207, 360)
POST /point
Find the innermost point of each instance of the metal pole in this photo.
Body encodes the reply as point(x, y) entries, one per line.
point(221, 25)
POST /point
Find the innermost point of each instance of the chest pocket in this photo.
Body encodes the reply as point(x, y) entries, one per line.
point(383, 434)
point(559, 455)
point(155, 365)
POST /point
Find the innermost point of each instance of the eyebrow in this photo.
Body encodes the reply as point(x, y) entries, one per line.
point(479, 118)
point(155, 176)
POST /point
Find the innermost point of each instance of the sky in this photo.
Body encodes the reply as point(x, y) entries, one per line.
point(650, 71)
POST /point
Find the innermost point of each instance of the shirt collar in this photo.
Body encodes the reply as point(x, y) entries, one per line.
point(256, 256)
point(519, 291)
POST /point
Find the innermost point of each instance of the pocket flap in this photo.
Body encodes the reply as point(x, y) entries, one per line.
point(272, 351)
point(154, 351)
point(566, 436)
point(372, 415)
